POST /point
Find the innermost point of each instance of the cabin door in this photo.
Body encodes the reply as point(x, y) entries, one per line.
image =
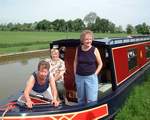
point(69, 78)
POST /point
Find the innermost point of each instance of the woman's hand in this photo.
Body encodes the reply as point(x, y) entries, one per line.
point(29, 104)
point(55, 102)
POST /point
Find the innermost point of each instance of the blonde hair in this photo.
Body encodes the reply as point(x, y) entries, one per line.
point(54, 50)
point(85, 32)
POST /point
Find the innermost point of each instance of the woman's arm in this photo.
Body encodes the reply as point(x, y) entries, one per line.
point(54, 92)
point(99, 61)
point(28, 88)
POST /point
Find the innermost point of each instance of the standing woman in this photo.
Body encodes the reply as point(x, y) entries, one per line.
point(87, 65)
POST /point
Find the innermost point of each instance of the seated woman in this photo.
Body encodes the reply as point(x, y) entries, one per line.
point(57, 69)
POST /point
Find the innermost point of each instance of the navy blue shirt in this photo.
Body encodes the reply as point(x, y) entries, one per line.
point(86, 62)
point(40, 88)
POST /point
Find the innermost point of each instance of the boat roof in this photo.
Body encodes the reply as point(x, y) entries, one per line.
point(116, 41)
point(122, 40)
point(128, 39)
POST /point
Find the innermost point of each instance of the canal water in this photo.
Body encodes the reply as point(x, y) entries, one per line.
point(14, 73)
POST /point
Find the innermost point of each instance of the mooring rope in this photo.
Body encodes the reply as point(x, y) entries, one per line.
point(6, 108)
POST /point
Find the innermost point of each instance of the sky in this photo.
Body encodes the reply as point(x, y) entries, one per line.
point(120, 12)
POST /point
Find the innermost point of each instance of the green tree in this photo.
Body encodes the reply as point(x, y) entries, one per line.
point(142, 29)
point(119, 29)
point(62, 25)
point(90, 18)
point(98, 24)
point(27, 27)
point(129, 29)
point(111, 27)
point(104, 25)
point(59, 25)
point(78, 25)
point(43, 25)
point(69, 26)
point(33, 26)
point(10, 26)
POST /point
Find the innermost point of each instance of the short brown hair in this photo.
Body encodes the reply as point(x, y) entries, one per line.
point(44, 65)
point(84, 33)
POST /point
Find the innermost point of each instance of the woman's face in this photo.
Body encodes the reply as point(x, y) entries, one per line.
point(87, 41)
point(55, 55)
point(42, 73)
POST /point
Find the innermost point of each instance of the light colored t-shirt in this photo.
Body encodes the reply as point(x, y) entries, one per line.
point(56, 67)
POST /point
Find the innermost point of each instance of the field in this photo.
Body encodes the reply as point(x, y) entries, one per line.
point(11, 42)
point(137, 107)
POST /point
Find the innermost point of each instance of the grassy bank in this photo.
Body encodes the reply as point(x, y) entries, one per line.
point(137, 107)
point(26, 41)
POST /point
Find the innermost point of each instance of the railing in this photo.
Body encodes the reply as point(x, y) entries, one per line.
point(128, 39)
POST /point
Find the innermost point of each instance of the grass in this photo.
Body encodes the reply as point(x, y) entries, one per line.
point(137, 107)
point(23, 48)
point(25, 41)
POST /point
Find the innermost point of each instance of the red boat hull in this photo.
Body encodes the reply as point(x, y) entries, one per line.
point(91, 114)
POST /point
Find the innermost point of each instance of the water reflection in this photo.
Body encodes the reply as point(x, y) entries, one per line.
point(14, 74)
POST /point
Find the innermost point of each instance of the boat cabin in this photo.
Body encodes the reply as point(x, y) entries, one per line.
point(121, 57)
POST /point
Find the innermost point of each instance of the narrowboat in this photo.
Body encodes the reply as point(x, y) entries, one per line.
point(125, 62)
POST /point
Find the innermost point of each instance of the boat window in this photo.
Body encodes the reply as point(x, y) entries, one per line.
point(132, 58)
point(62, 52)
point(56, 46)
point(147, 48)
point(106, 53)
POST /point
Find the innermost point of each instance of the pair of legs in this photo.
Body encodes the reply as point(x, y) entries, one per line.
point(61, 90)
point(87, 88)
